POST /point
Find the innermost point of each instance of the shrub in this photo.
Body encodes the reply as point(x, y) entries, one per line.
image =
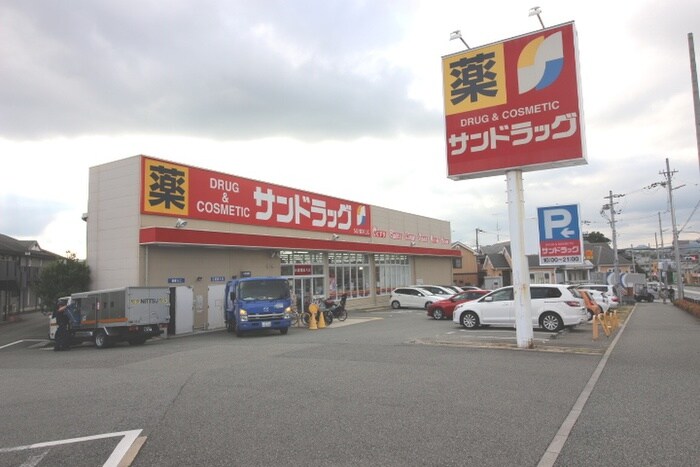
point(689, 306)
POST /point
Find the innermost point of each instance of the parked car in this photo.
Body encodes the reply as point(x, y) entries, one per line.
point(412, 297)
point(437, 290)
point(468, 287)
point(453, 288)
point(553, 307)
point(443, 309)
point(646, 292)
point(605, 288)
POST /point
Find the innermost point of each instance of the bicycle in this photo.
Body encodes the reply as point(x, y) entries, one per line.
point(299, 319)
point(337, 308)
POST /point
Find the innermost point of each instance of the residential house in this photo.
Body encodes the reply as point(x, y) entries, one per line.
point(598, 258)
point(466, 269)
point(21, 262)
point(602, 257)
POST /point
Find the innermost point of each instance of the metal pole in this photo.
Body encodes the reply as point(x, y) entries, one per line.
point(660, 269)
point(664, 272)
point(696, 94)
point(676, 250)
point(521, 271)
point(616, 262)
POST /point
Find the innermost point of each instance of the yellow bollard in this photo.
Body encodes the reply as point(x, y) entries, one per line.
point(321, 320)
point(608, 322)
point(313, 308)
point(595, 327)
point(599, 318)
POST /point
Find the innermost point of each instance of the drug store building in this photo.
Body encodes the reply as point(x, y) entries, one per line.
point(152, 222)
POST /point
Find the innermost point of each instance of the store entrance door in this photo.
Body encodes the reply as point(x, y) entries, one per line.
point(306, 289)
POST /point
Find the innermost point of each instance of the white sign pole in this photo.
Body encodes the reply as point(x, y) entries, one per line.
point(521, 271)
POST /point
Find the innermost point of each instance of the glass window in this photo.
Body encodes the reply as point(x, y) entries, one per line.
point(503, 295)
point(391, 271)
point(347, 274)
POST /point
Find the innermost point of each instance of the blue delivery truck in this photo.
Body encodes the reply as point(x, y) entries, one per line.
point(257, 303)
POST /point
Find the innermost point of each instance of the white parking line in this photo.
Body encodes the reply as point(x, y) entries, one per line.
point(349, 321)
point(20, 341)
point(33, 461)
point(128, 438)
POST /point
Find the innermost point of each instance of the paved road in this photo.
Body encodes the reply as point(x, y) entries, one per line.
point(28, 327)
point(395, 390)
point(645, 408)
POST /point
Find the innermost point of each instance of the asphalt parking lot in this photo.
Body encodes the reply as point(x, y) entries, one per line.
point(569, 340)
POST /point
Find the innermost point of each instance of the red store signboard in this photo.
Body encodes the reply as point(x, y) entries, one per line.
point(514, 104)
point(182, 191)
point(302, 269)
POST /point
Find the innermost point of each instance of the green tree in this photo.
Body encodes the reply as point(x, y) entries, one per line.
point(596, 237)
point(62, 278)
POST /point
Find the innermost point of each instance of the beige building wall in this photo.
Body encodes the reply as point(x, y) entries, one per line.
point(113, 224)
point(431, 270)
point(198, 266)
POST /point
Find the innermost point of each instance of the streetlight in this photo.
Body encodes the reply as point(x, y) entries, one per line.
point(458, 35)
point(536, 11)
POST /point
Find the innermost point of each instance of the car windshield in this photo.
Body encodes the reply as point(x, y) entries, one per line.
point(264, 290)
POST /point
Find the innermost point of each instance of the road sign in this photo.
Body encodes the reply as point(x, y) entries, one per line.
point(561, 242)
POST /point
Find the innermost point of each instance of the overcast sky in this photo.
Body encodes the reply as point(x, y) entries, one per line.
point(342, 98)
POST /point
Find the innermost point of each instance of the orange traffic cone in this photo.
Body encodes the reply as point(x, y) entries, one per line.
point(321, 320)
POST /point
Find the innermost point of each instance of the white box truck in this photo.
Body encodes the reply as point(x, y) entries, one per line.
point(132, 314)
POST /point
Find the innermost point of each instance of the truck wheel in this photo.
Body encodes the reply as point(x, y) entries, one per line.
point(101, 340)
point(284, 331)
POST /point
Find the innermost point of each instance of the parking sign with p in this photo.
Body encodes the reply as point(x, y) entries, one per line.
point(561, 241)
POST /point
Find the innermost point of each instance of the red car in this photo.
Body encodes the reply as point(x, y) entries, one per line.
point(443, 309)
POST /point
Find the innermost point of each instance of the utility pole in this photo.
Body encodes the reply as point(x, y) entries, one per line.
point(616, 261)
point(477, 239)
point(676, 251)
point(663, 269)
point(696, 94)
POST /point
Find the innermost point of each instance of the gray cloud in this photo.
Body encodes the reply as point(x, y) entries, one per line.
point(200, 69)
point(25, 217)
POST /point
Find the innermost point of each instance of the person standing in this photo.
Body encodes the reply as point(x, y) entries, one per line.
point(62, 337)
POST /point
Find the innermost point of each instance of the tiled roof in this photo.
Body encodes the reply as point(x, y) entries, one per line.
point(13, 247)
